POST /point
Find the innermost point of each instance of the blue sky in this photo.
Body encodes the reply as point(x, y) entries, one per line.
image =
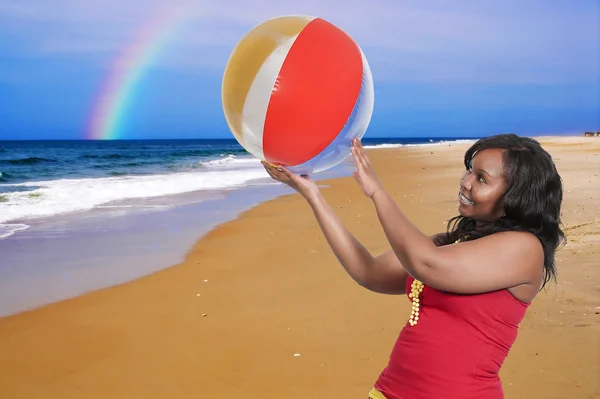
point(441, 68)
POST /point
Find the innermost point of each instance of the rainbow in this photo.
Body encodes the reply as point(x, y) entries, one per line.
point(127, 70)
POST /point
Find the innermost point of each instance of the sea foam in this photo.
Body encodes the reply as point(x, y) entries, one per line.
point(54, 197)
point(7, 230)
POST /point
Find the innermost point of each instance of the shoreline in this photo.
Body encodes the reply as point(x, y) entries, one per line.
point(107, 227)
point(264, 191)
point(147, 239)
point(227, 323)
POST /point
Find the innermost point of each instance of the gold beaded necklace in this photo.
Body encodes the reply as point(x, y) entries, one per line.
point(416, 288)
point(415, 291)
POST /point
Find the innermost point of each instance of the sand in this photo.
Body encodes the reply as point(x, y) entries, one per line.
point(260, 308)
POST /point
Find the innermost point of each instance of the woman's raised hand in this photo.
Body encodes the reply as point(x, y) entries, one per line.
point(303, 184)
point(365, 174)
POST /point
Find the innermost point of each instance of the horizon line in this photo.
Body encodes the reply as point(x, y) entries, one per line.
point(577, 134)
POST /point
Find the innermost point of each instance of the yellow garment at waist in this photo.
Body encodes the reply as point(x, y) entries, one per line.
point(375, 394)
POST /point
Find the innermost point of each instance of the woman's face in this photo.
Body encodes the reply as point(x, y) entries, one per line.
point(483, 186)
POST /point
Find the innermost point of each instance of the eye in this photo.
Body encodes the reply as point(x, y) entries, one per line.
point(480, 179)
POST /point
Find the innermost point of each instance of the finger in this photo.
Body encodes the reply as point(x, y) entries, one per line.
point(288, 174)
point(267, 165)
point(274, 174)
point(285, 171)
point(271, 173)
point(362, 150)
point(272, 166)
point(366, 156)
point(358, 157)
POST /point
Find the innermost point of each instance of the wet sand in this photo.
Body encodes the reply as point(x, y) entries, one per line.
point(260, 308)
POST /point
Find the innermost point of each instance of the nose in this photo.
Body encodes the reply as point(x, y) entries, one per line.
point(465, 182)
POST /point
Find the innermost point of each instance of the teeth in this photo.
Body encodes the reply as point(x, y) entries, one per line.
point(466, 200)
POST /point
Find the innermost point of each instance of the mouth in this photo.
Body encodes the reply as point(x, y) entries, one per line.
point(465, 200)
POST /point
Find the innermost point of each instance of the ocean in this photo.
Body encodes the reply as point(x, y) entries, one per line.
point(46, 178)
point(76, 216)
point(49, 178)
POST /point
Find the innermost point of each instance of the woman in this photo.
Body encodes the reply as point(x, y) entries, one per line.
point(470, 286)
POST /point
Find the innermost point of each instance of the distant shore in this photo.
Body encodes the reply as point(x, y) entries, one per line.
point(260, 308)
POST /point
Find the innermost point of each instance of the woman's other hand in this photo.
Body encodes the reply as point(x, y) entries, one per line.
point(303, 184)
point(365, 174)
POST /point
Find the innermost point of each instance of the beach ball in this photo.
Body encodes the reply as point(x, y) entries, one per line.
point(296, 90)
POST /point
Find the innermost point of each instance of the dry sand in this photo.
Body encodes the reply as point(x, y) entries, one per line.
point(253, 293)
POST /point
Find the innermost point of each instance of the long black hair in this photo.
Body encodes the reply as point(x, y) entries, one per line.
point(532, 201)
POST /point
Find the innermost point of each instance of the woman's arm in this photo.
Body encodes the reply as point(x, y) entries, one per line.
point(383, 274)
point(499, 261)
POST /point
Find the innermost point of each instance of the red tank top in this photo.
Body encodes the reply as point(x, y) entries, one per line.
point(456, 349)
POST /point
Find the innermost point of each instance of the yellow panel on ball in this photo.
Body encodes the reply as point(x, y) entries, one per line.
point(246, 60)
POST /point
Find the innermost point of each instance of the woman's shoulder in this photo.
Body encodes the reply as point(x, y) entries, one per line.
point(524, 238)
point(516, 239)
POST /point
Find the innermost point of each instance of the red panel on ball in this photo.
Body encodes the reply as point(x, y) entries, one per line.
point(314, 94)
